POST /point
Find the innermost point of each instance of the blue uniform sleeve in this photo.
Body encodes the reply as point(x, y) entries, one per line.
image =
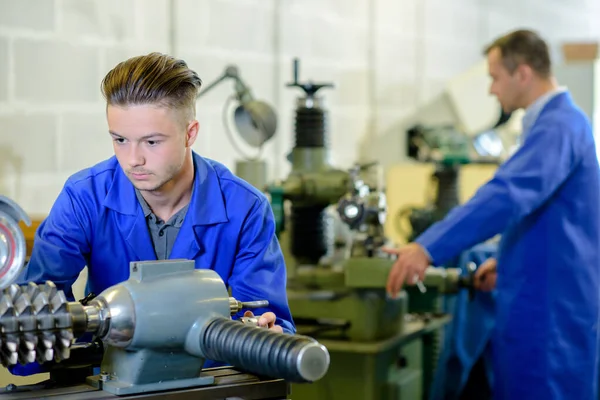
point(520, 186)
point(61, 245)
point(259, 272)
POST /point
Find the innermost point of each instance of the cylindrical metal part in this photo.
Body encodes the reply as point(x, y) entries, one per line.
point(263, 352)
point(79, 318)
point(252, 171)
point(310, 127)
point(138, 318)
point(311, 234)
point(94, 320)
point(236, 306)
point(117, 324)
point(447, 189)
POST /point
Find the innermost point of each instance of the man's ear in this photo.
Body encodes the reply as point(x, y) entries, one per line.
point(191, 133)
point(525, 73)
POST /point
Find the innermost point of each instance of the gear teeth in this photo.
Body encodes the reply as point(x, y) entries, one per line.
point(35, 324)
point(12, 291)
point(50, 289)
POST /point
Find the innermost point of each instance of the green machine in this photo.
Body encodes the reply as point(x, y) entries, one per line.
point(449, 150)
point(380, 348)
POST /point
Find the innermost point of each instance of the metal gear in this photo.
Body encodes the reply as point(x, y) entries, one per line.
point(35, 324)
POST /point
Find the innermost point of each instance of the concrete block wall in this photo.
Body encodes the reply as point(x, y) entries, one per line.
point(385, 57)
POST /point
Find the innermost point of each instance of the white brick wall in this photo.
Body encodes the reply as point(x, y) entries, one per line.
point(385, 58)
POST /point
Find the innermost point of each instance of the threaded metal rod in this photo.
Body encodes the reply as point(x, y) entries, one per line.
point(263, 352)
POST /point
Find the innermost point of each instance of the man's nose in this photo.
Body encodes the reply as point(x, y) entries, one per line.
point(135, 156)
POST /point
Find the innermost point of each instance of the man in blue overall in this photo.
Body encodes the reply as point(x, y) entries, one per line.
point(158, 199)
point(545, 201)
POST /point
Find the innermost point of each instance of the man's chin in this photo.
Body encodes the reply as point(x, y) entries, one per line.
point(145, 186)
point(508, 110)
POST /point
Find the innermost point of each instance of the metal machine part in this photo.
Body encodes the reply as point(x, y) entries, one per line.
point(236, 306)
point(153, 340)
point(313, 184)
point(228, 383)
point(449, 150)
point(363, 209)
point(12, 241)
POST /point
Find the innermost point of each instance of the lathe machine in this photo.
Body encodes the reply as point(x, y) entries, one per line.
point(147, 337)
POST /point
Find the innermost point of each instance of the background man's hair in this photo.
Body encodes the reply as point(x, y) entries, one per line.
point(523, 47)
point(152, 79)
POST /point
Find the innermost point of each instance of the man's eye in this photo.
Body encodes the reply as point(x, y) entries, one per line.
point(119, 140)
point(153, 142)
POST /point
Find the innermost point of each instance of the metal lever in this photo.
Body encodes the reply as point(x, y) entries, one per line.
point(419, 284)
point(235, 306)
point(255, 304)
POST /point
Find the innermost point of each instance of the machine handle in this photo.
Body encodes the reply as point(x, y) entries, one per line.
point(263, 352)
point(236, 306)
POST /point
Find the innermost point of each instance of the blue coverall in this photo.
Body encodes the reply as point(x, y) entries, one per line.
point(545, 201)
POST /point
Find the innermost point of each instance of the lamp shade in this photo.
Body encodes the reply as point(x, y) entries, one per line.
point(256, 122)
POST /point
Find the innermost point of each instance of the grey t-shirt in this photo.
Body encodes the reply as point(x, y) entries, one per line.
point(163, 234)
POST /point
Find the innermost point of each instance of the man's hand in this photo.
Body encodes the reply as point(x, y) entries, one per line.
point(485, 276)
point(409, 267)
point(267, 319)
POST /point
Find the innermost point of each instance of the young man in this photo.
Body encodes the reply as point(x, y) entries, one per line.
point(545, 201)
point(158, 199)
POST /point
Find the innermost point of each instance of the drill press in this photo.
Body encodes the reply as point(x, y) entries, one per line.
point(338, 295)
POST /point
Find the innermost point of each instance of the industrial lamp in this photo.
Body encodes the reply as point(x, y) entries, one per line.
point(255, 121)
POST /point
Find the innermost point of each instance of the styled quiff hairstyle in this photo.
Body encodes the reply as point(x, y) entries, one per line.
point(523, 47)
point(156, 79)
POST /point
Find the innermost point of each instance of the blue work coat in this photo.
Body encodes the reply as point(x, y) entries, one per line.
point(545, 200)
point(97, 221)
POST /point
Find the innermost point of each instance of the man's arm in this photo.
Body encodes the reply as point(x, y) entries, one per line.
point(259, 272)
point(61, 245)
point(520, 186)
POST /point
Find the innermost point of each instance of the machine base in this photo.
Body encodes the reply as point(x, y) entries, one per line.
point(228, 383)
point(121, 388)
point(396, 368)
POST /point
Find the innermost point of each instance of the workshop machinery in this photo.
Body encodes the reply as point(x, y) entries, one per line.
point(448, 150)
point(336, 289)
point(150, 336)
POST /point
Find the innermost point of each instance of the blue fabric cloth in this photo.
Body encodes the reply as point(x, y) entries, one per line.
point(467, 337)
point(98, 221)
point(545, 201)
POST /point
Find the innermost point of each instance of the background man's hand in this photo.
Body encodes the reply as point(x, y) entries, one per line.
point(267, 320)
point(410, 265)
point(485, 276)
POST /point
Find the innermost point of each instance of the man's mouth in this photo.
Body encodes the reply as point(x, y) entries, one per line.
point(139, 175)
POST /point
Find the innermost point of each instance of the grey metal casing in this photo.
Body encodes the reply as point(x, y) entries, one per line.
point(147, 334)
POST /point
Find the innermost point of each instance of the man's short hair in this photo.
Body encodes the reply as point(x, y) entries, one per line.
point(523, 47)
point(154, 78)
